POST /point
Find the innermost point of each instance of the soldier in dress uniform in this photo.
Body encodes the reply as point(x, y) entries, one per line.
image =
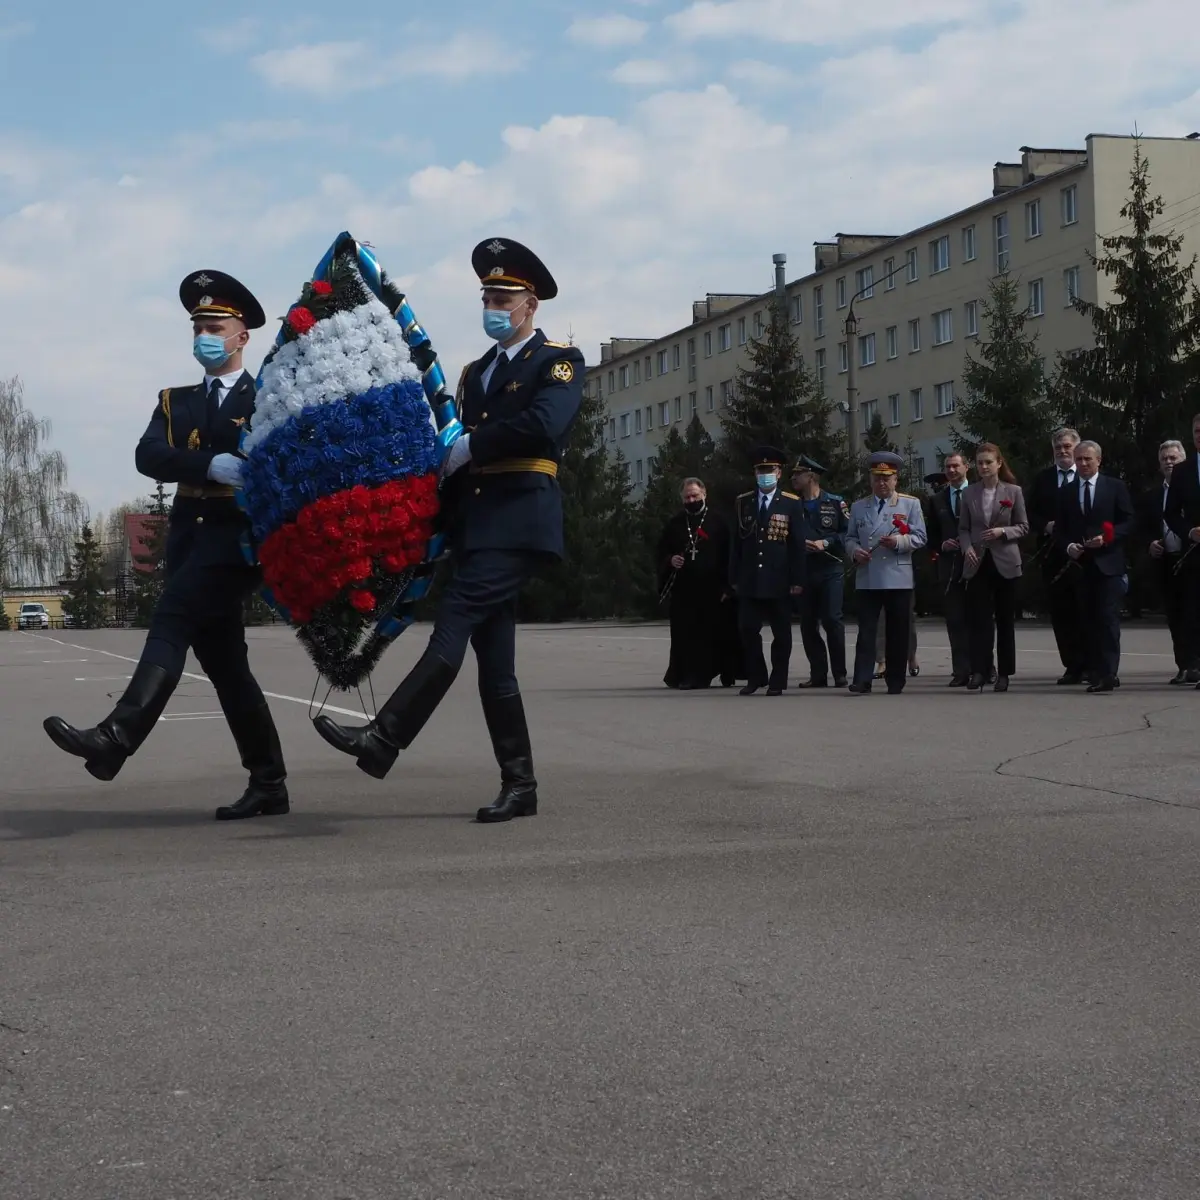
point(192, 442)
point(885, 528)
point(504, 514)
point(820, 605)
point(767, 568)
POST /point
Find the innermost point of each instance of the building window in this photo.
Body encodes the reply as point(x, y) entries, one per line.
point(1033, 218)
point(914, 401)
point(918, 467)
point(679, 408)
point(819, 310)
point(893, 341)
point(944, 394)
point(664, 413)
point(889, 274)
point(638, 472)
point(628, 466)
point(840, 291)
point(625, 425)
point(971, 317)
point(724, 337)
point(612, 381)
point(866, 350)
point(741, 331)
point(911, 262)
point(843, 358)
point(612, 429)
point(675, 357)
point(943, 329)
point(1071, 285)
point(894, 409)
point(662, 362)
point(968, 243)
point(623, 376)
point(1070, 205)
point(1037, 298)
point(1000, 237)
point(708, 345)
point(797, 309)
point(691, 404)
point(651, 463)
point(649, 417)
point(914, 335)
point(869, 410)
point(758, 324)
point(691, 360)
point(637, 420)
point(939, 255)
point(864, 282)
point(708, 399)
point(819, 363)
point(726, 392)
point(637, 372)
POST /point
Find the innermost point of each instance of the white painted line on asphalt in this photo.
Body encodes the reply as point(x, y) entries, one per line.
point(100, 678)
point(56, 661)
point(192, 716)
point(345, 712)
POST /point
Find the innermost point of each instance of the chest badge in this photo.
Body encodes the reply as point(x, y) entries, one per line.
point(513, 386)
point(194, 440)
point(562, 371)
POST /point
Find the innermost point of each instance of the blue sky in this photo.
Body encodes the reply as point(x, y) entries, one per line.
point(650, 151)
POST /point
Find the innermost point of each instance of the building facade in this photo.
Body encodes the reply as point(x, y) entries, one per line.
point(918, 302)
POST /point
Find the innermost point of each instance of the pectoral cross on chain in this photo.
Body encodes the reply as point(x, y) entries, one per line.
point(692, 553)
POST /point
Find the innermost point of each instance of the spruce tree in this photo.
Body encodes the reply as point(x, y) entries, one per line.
point(1138, 385)
point(84, 602)
point(148, 583)
point(1006, 400)
point(876, 437)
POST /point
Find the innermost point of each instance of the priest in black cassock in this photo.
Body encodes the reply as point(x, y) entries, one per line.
point(693, 578)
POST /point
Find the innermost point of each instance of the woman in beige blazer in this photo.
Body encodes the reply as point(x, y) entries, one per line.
point(991, 524)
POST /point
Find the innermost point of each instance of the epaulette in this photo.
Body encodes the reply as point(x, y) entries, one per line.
point(743, 495)
point(790, 495)
point(559, 345)
point(904, 496)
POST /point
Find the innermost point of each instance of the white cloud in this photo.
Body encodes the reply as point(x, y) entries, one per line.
point(761, 75)
point(651, 72)
point(613, 29)
point(323, 68)
point(232, 36)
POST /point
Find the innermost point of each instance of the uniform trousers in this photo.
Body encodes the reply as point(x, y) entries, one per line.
point(821, 608)
point(991, 613)
point(479, 608)
point(752, 614)
point(896, 604)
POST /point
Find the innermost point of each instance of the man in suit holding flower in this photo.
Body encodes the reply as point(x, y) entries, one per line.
point(1095, 515)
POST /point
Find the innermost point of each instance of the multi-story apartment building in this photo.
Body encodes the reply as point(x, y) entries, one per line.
point(917, 300)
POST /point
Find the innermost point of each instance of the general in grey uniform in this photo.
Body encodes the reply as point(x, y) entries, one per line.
point(885, 528)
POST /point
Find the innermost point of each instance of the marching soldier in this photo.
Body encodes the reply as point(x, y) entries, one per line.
point(827, 516)
point(192, 441)
point(517, 403)
point(885, 528)
point(767, 568)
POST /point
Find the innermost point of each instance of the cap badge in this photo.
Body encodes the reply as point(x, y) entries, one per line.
point(202, 280)
point(496, 271)
point(205, 301)
point(496, 246)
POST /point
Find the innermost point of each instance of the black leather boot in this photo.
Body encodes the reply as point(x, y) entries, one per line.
point(105, 747)
point(258, 743)
point(376, 744)
point(505, 716)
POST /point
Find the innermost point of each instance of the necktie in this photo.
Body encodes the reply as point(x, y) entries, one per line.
point(214, 402)
point(1087, 497)
point(954, 501)
point(1062, 476)
point(882, 502)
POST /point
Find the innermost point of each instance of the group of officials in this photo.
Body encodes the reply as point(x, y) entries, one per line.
point(789, 552)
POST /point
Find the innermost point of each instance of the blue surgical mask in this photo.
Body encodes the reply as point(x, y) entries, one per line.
point(209, 349)
point(497, 324)
point(767, 482)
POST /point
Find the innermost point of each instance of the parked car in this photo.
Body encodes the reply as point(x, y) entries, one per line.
point(33, 616)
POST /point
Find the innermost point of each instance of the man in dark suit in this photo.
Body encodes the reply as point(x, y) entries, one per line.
point(767, 568)
point(1182, 517)
point(1166, 552)
point(1063, 597)
point(941, 522)
point(517, 404)
point(1095, 516)
point(192, 441)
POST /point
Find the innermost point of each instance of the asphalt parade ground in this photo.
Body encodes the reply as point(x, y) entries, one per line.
point(929, 946)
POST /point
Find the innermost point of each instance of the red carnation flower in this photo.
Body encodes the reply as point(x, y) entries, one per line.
point(1107, 532)
point(1006, 504)
point(364, 602)
point(300, 319)
point(321, 288)
point(900, 523)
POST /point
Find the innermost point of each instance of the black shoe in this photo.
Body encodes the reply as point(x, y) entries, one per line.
point(1193, 676)
point(1070, 678)
point(859, 689)
point(105, 747)
point(975, 683)
point(958, 681)
point(505, 717)
point(257, 801)
point(813, 683)
point(749, 689)
point(1001, 684)
point(1103, 685)
point(1180, 677)
point(376, 745)
point(839, 681)
point(774, 691)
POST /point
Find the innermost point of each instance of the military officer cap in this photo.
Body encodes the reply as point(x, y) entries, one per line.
point(215, 294)
point(769, 456)
point(884, 462)
point(510, 267)
point(804, 463)
point(936, 478)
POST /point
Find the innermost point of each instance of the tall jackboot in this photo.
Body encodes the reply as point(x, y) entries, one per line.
point(105, 747)
point(257, 741)
point(505, 716)
point(376, 744)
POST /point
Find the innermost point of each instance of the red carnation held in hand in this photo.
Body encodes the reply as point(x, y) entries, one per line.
point(363, 601)
point(900, 523)
point(1107, 532)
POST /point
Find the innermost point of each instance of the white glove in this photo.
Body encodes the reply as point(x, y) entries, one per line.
point(227, 469)
point(459, 456)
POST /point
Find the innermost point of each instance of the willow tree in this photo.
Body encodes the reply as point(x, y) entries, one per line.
point(39, 516)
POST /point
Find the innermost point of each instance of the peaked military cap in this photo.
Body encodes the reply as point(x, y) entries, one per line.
point(769, 456)
point(884, 462)
point(215, 294)
point(804, 463)
point(507, 265)
point(936, 477)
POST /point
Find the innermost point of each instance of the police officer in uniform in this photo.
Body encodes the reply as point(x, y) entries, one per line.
point(192, 442)
point(504, 511)
point(827, 515)
point(885, 528)
point(767, 568)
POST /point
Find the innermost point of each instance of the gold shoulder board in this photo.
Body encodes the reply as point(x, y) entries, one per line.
point(790, 495)
point(558, 345)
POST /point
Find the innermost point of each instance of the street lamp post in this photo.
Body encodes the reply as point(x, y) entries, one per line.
point(851, 329)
